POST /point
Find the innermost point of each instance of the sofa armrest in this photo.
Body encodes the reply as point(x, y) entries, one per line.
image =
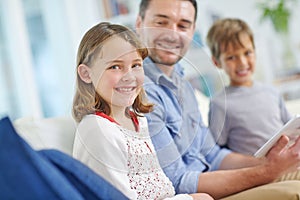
point(47, 133)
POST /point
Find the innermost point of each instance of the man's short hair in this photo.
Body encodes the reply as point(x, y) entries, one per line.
point(145, 3)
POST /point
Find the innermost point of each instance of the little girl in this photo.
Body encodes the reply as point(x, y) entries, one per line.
point(112, 136)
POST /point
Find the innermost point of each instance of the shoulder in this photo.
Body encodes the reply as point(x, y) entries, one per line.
point(143, 125)
point(150, 85)
point(219, 93)
point(94, 123)
point(219, 96)
point(96, 141)
point(95, 129)
point(155, 92)
point(267, 88)
point(264, 86)
point(147, 80)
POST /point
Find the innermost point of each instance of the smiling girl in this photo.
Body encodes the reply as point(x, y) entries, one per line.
point(112, 136)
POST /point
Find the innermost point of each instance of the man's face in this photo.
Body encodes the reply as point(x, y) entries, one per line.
point(167, 29)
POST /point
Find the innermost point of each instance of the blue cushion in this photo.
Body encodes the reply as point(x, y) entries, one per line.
point(47, 174)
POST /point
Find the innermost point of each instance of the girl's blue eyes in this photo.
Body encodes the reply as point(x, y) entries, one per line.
point(119, 67)
point(136, 65)
point(114, 67)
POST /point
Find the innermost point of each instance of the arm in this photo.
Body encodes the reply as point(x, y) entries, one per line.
point(218, 124)
point(183, 152)
point(101, 146)
point(285, 114)
point(169, 157)
point(279, 160)
point(162, 128)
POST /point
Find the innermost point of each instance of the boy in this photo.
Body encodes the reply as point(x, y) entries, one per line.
point(246, 113)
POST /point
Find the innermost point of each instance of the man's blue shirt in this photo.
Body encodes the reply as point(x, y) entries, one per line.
point(184, 145)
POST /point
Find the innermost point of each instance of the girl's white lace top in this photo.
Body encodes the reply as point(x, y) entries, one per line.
point(125, 158)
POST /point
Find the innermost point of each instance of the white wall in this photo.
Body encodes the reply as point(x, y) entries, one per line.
point(268, 45)
point(40, 82)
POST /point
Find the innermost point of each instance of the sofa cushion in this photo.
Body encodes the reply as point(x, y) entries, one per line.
point(47, 174)
point(284, 190)
point(45, 133)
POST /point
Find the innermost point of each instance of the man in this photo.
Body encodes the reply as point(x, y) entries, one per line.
point(185, 147)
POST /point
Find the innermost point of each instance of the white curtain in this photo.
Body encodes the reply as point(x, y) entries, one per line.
point(38, 44)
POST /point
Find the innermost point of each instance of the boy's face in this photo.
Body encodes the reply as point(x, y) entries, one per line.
point(238, 61)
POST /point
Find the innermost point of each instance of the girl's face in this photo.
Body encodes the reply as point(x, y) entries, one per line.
point(239, 62)
point(117, 73)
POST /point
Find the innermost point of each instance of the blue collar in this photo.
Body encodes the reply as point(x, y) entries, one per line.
point(158, 77)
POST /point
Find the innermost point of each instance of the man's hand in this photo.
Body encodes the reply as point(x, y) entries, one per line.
point(282, 159)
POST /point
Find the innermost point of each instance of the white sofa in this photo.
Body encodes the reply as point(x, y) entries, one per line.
point(58, 132)
point(293, 106)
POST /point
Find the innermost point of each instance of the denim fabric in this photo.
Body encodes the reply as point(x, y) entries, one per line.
point(48, 174)
point(184, 145)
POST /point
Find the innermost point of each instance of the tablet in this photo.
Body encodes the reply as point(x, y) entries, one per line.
point(290, 129)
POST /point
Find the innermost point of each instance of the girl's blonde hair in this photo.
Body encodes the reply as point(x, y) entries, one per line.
point(86, 99)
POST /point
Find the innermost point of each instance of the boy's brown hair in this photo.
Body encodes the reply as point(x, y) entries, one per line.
point(86, 99)
point(225, 31)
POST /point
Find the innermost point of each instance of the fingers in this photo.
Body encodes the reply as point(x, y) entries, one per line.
point(296, 146)
point(201, 196)
point(280, 145)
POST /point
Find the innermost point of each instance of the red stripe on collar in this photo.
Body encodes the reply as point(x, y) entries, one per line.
point(132, 116)
point(135, 121)
point(101, 114)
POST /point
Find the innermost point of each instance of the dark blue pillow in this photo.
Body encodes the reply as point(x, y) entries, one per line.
point(47, 174)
